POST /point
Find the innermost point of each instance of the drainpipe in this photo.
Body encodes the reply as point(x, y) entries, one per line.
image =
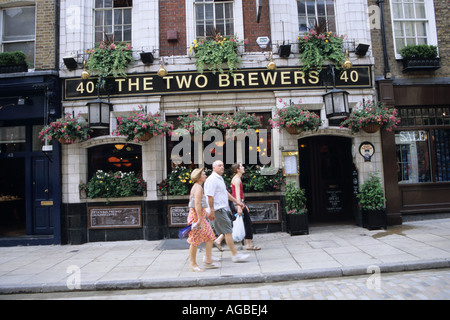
point(56, 26)
point(387, 70)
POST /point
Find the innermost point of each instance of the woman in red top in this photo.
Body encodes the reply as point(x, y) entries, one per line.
point(237, 190)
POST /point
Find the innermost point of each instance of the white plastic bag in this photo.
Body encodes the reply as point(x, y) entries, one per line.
point(238, 229)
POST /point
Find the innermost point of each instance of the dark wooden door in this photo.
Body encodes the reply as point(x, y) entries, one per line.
point(326, 174)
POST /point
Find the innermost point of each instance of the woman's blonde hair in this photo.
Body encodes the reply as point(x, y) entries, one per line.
point(196, 174)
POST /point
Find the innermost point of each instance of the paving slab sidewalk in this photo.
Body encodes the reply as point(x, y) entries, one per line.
point(328, 251)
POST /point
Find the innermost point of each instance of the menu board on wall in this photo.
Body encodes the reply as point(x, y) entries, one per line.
point(114, 217)
point(178, 215)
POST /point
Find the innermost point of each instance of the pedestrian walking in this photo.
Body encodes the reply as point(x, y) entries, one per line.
point(237, 191)
point(218, 197)
point(201, 230)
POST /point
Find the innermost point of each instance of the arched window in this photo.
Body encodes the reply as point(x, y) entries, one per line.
point(115, 157)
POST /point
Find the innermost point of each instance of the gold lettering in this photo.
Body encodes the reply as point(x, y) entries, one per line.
point(253, 79)
point(120, 81)
point(184, 81)
point(148, 84)
point(224, 80)
point(285, 77)
point(131, 84)
point(269, 76)
point(168, 78)
point(314, 77)
point(299, 75)
point(239, 77)
point(205, 81)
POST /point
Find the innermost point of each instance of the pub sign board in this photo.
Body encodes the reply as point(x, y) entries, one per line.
point(115, 217)
point(191, 82)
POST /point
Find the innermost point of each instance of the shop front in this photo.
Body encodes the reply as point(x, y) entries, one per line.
point(417, 154)
point(30, 176)
point(327, 159)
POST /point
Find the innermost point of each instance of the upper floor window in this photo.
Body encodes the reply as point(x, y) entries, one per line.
point(18, 31)
point(321, 11)
point(413, 22)
point(212, 16)
point(113, 18)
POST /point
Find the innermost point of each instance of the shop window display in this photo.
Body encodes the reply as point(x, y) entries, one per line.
point(423, 145)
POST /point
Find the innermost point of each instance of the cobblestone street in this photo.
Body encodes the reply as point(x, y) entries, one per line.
point(421, 285)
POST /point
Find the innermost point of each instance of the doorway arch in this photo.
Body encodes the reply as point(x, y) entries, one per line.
point(326, 173)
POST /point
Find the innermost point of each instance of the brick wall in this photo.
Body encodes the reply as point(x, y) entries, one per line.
point(252, 29)
point(442, 25)
point(172, 16)
point(45, 32)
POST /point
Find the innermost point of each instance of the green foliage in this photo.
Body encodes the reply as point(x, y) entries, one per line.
point(213, 52)
point(178, 181)
point(13, 58)
point(114, 185)
point(316, 48)
point(295, 199)
point(110, 59)
point(421, 51)
point(371, 196)
point(67, 128)
point(296, 116)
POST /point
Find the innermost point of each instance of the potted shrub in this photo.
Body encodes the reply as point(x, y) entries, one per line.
point(297, 214)
point(142, 126)
point(66, 130)
point(114, 185)
point(318, 46)
point(214, 51)
point(371, 203)
point(15, 61)
point(420, 57)
point(371, 116)
point(110, 59)
point(295, 119)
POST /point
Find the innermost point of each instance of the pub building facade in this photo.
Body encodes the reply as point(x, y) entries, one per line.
point(416, 156)
point(327, 163)
point(30, 177)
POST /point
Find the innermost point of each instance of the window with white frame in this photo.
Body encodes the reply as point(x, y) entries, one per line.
point(322, 11)
point(113, 19)
point(213, 17)
point(413, 23)
point(18, 31)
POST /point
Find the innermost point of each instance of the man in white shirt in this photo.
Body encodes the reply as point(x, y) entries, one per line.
point(218, 196)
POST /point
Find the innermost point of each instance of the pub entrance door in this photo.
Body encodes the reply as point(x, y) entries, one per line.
point(326, 168)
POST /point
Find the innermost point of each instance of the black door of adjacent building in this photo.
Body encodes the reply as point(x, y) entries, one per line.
point(326, 174)
point(42, 195)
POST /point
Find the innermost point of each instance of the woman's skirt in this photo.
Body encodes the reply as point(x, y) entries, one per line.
point(205, 234)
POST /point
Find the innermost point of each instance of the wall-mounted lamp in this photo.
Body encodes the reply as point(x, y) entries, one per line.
point(271, 65)
point(347, 63)
point(162, 72)
point(70, 63)
point(147, 58)
point(284, 51)
point(85, 74)
point(98, 113)
point(336, 100)
point(362, 49)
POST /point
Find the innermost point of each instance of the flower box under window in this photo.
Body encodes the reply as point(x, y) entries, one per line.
point(417, 64)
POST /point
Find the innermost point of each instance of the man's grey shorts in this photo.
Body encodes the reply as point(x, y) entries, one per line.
point(222, 224)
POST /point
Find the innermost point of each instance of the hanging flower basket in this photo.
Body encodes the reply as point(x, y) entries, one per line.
point(146, 137)
point(142, 126)
point(67, 130)
point(295, 119)
point(371, 128)
point(294, 130)
point(371, 116)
